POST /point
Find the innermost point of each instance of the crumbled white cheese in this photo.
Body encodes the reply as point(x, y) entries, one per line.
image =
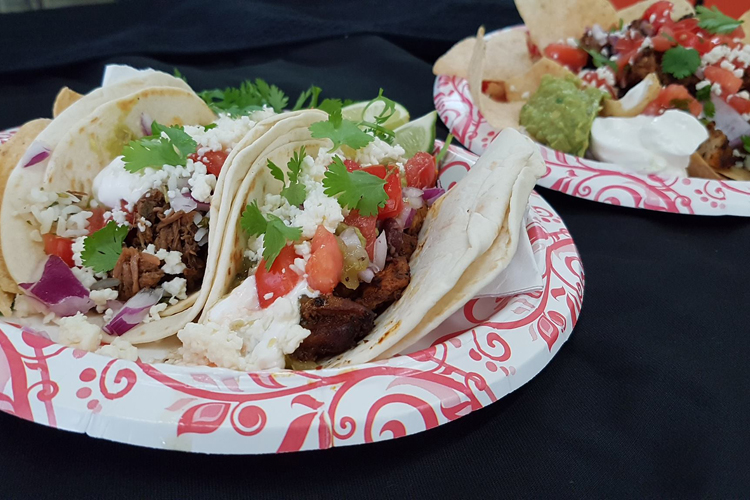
point(76, 331)
point(379, 152)
point(599, 34)
point(143, 223)
point(716, 89)
point(77, 248)
point(605, 73)
point(744, 94)
point(120, 349)
point(715, 55)
point(572, 42)
point(85, 275)
point(202, 183)
point(177, 288)
point(224, 136)
point(101, 297)
point(701, 84)
point(154, 312)
point(172, 259)
point(108, 315)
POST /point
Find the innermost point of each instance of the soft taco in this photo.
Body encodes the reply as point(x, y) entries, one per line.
point(117, 237)
point(340, 249)
point(659, 87)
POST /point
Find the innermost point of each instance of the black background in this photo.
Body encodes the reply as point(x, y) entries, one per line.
point(649, 397)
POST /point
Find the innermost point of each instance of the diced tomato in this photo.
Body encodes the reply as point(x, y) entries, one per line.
point(352, 165)
point(729, 83)
point(392, 187)
point(533, 48)
point(627, 48)
point(326, 262)
point(213, 160)
point(57, 245)
point(664, 40)
point(690, 25)
point(659, 14)
point(674, 97)
point(592, 78)
point(277, 281)
point(96, 221)
point(367, 226)
point(740, 104)
point(421, 171)
point(574, 58)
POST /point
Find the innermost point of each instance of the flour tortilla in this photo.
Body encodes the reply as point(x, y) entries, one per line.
point(551, 21)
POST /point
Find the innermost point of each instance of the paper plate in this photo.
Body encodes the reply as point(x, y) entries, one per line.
point(592, 180)
point(488, 349)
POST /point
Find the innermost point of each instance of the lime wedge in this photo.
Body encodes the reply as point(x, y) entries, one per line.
point(354, 112)
point(417, 135)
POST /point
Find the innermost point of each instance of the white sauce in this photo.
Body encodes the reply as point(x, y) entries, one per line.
point(635, 95)
point(649, 144)
point(114, 184)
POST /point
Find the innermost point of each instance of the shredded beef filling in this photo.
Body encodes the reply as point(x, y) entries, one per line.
point(173, 232)
point(337, 322)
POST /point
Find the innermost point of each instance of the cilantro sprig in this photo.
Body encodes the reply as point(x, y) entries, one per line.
point(377, 126)
point(703, 94)
point(680, 62)
point(248, 97)
point(165, 146)
point(715, 21)
point(599, 59)
point(313, 93)
point(294, 192)
point(339, 131)
point(358, 190)
point(746, 143)
point(102, 249)
point(277, 234)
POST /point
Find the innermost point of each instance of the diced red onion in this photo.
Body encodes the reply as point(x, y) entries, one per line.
point(380, 252)
point(146, 122)
point(432, 194)
point(413, 197)
point(133, 312)
point(406, 216)
point(729, 121)
point(59, 289)
point(184, 203)
point(367, 275)
point(201, 205)
point(37, 152)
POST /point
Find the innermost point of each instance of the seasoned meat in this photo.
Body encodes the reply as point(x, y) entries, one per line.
point(643, 64)
point(394, 235)
point(136, 270)
point(589, 42)
point(176, 232)
point(149, 207)
point(387, 285)
point(408, 246)
point(716, 151)
point(418, 221)
point(746, 80)
point(336, 325)
point(643, 27)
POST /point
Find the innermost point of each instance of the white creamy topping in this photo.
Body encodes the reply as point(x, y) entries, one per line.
point(635, 95)
point(649, 144)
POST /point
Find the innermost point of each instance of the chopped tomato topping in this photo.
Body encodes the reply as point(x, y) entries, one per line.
point(664, 41)
point(740, 104)
point(421, 171)
point(572, 57)
point(626, 49)
point(392, 187)
point(213, 160)
point(659, 14)
point(592, 78)
point(367, 226)
point(57, 245)
point(352, 165)
point(729, 83)
point(277, 281)
point(674, 97)
point(326, 262)
point(96, 221)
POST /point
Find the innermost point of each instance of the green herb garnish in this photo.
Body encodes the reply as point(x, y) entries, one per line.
point(277, 234)
point(295, 192)
point(245, 99)
point(599, 59)
point(165, 146)
point(358, 190)
point(444, 149)
point(746, 143)
point(680, 62)
point(102, 249)
point(714, 21)
point(703, 94)
point(340, 131)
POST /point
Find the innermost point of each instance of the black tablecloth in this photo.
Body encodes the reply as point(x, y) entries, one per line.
point(649, 397)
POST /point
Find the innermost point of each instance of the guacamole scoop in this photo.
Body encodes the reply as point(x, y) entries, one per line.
point(560, 114)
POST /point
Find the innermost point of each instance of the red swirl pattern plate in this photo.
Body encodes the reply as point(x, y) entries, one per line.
point(592, 180)
point(485, 351)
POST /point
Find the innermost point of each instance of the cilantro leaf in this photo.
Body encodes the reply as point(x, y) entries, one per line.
point(357, 190)
point(177, 74)
point(277, 236)
point(252, 221)
point(331, 106)
point(746, 143)
point(703, 94)
point(245, 99)
point(102, 249)
point(156, 150)
point(275, 171)
point(389, 108)
point(714, 21)
point(680, 62)
point(312, 93)
point(599, 59)
point(341, 132)
point(295, 164)
point(210, 126)
point(295, 193)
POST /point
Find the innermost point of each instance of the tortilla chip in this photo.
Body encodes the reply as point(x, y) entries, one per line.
point(10, 154)
point(745, 18)
point(551, 21)
point(6, 303)
point(636, 11)
point(699, 168)
point(507, 55)
point(735, 173)
point(501, 115)
point(517, 88)
point(64, 98)
point(613, 107)
point(476, 67)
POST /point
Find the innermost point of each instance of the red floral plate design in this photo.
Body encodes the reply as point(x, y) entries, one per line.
point(485, 351)
point(593, 180)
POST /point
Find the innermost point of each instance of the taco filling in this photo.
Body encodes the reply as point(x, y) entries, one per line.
point(137, 243)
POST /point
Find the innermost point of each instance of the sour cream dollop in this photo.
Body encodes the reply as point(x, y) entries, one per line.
point(114, 184)
point(649, 144)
